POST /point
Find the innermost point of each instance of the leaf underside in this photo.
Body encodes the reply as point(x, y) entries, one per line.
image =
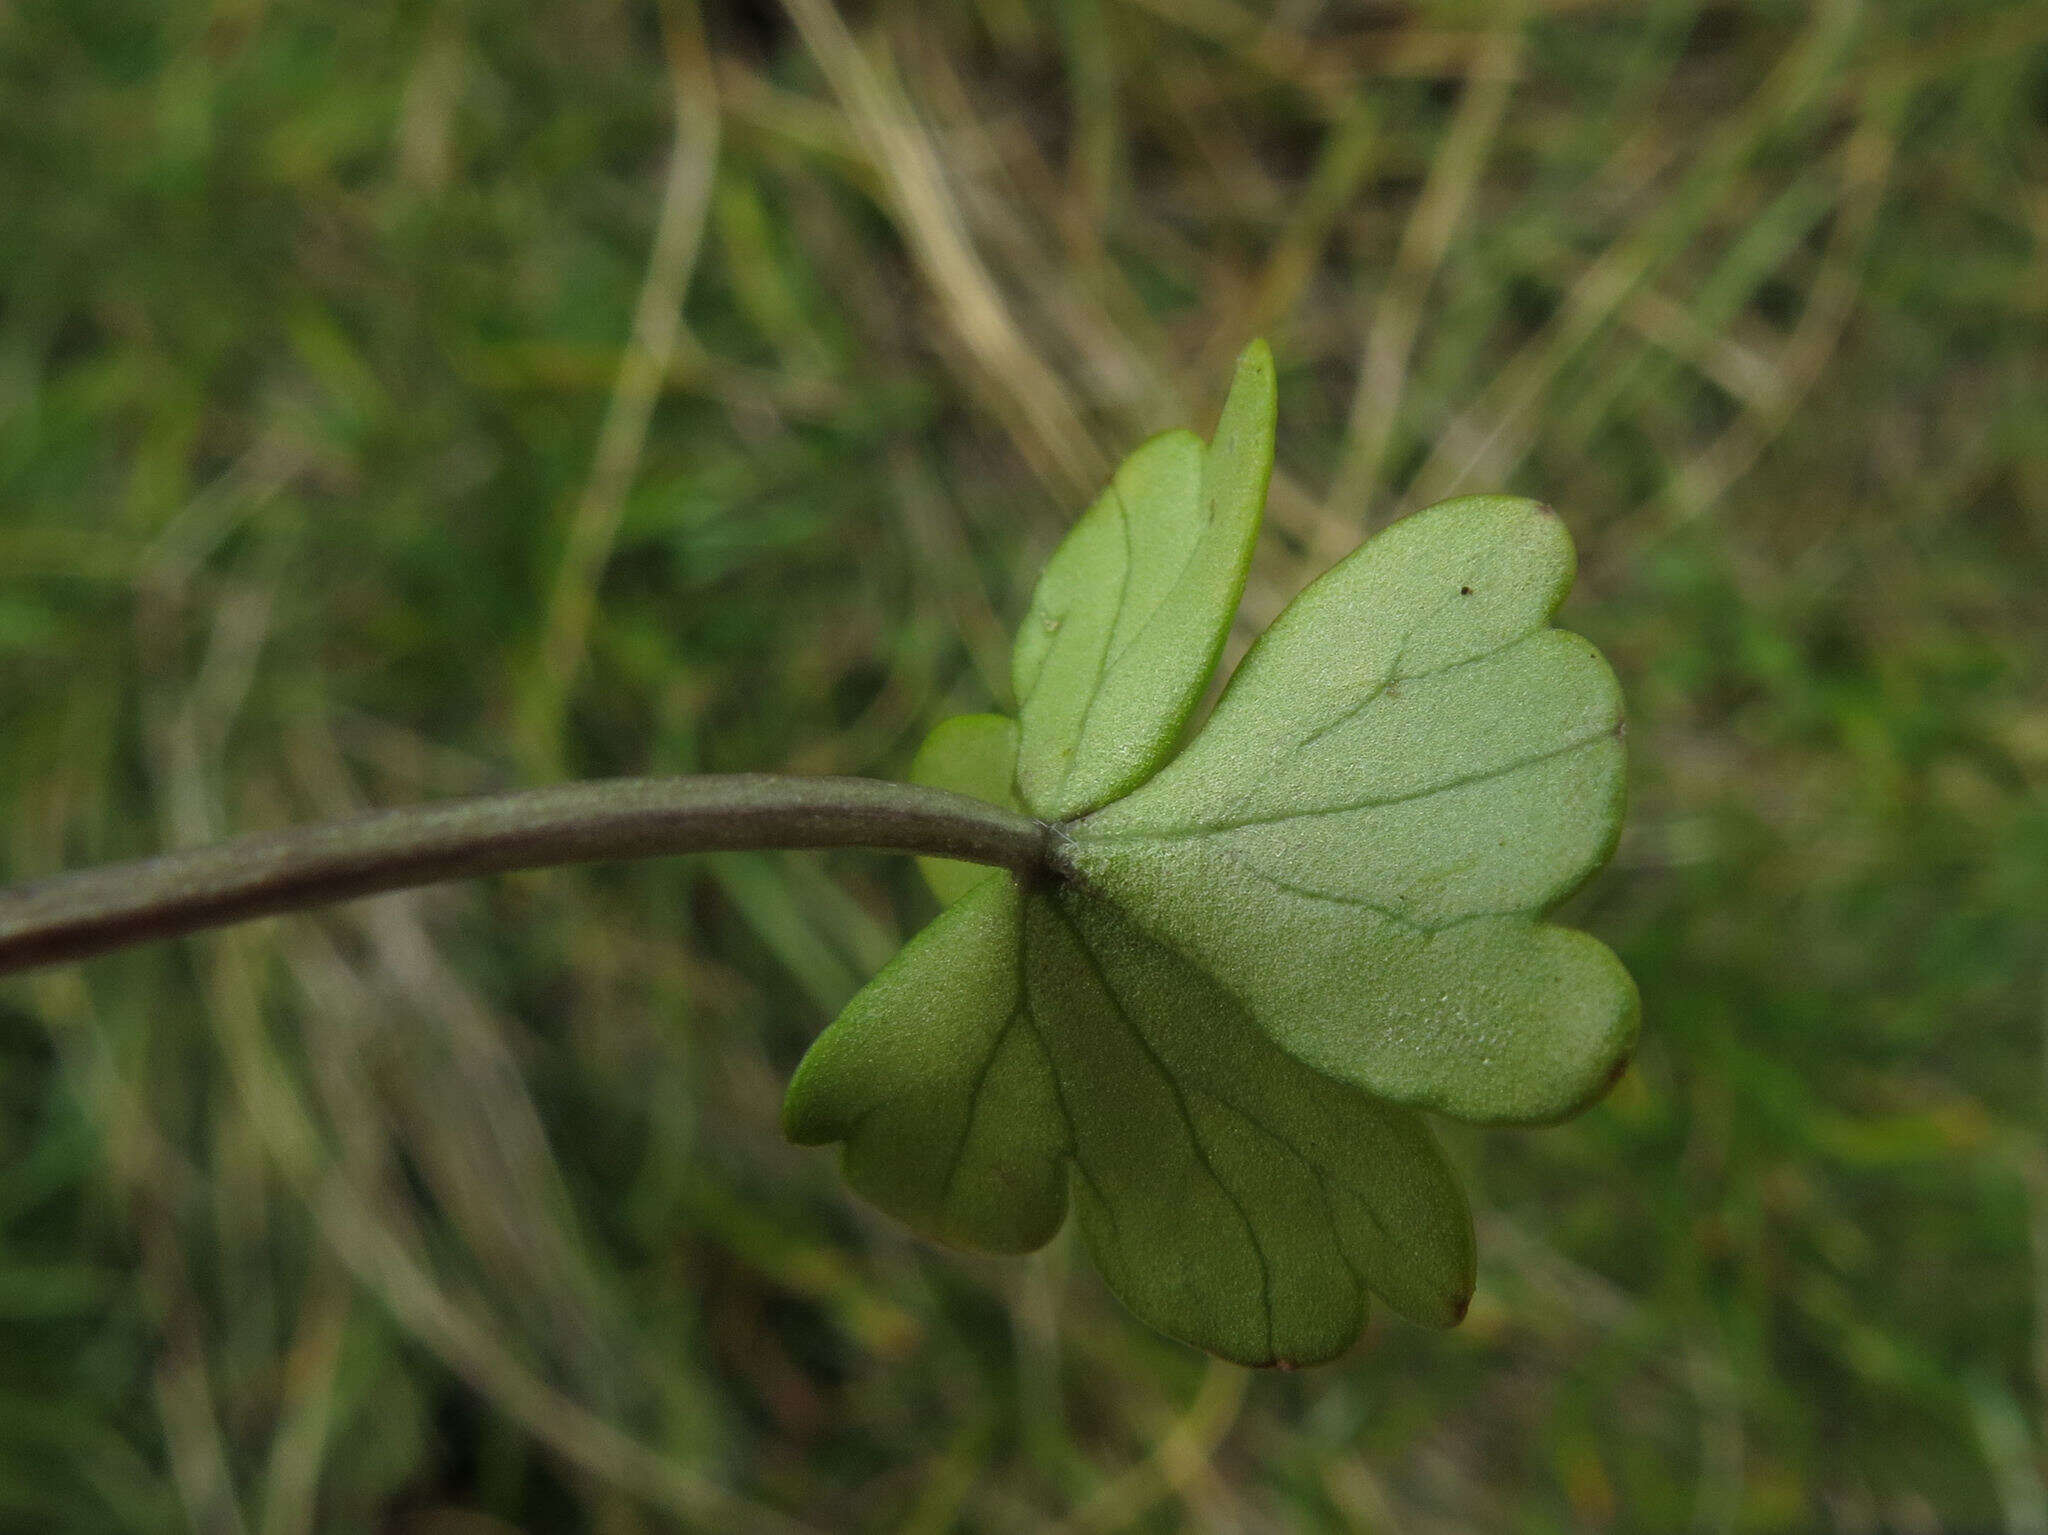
point(1023, 1050)
point(974, 754)
point(1130, 615)
point(1324, 914)
point(1408, 769)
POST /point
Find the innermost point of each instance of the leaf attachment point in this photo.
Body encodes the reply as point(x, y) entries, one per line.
point(1270, 951)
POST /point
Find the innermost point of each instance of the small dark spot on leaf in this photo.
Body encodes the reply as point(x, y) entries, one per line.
point(1464, 591)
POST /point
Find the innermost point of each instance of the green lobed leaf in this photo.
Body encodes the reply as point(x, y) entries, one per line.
point(1232, 1197)
point(936, 1077)
point(1407, 770)
point(1213, 1033)
point(970, 754)
point(1127, 622)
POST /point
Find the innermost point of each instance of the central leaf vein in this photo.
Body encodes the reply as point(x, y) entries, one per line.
point(1107, 661)
point(1212, 828)
point(1059, 1092)
point(974, 1092)
point(1180, 1103)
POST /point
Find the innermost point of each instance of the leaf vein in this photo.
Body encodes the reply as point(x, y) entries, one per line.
point(1396, 675)
point(1171, 599)
point(1219, 1092)
point(974, 1093)
point(1105, 662)
point(1180, 1102)
point(1073, 1148)
point(1309, 893)
point(1188, 833)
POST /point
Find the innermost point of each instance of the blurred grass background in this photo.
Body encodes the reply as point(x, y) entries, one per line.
point(403, 399)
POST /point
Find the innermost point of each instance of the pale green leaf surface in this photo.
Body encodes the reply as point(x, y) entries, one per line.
point(1232, 1197)
point(1130, 615)
point(1407, 770)
point(1212, 1034)
point(969, 754)
point(936, 1079)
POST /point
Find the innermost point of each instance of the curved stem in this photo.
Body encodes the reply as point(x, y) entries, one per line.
point(73, 916)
